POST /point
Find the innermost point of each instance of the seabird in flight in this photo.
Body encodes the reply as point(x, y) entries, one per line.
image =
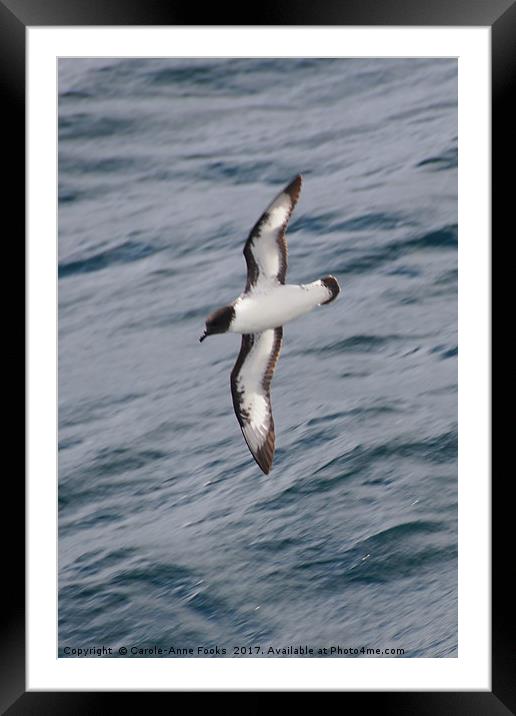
point(259, 314)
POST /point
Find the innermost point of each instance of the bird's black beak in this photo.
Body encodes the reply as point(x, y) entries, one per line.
point(203, 337)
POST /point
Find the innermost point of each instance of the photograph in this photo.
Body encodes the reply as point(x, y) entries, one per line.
point(258, 250)
point(257, 357)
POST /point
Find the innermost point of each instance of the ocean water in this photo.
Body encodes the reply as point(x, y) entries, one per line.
point(169, 534)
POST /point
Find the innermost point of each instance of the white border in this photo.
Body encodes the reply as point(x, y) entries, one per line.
point(471, 670)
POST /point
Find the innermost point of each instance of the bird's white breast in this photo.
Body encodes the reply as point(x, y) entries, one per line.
point(275, 305)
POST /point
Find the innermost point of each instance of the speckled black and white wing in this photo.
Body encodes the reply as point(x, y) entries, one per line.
point(250, 387)
point(265, 250)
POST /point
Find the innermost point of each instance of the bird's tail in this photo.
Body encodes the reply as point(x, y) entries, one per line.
point(333, 288)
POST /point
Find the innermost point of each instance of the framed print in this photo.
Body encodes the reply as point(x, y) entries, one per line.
point(344, 545)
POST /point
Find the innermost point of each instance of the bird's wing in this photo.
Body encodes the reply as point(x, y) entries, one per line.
point(265, 250)
point(250, 387)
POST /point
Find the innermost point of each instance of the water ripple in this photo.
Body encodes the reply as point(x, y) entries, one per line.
point(126, 252)
point(444, 238)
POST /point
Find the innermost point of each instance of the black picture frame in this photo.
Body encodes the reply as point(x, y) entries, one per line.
point(15, 17)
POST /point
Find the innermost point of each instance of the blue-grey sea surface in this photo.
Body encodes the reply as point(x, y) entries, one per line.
point(169, 534)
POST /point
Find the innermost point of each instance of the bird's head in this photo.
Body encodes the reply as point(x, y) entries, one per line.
point(218, 321)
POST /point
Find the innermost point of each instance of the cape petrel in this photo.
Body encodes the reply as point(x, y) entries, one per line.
point(259, 314)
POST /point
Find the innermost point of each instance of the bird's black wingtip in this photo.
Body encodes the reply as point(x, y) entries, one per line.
point(293, 189)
